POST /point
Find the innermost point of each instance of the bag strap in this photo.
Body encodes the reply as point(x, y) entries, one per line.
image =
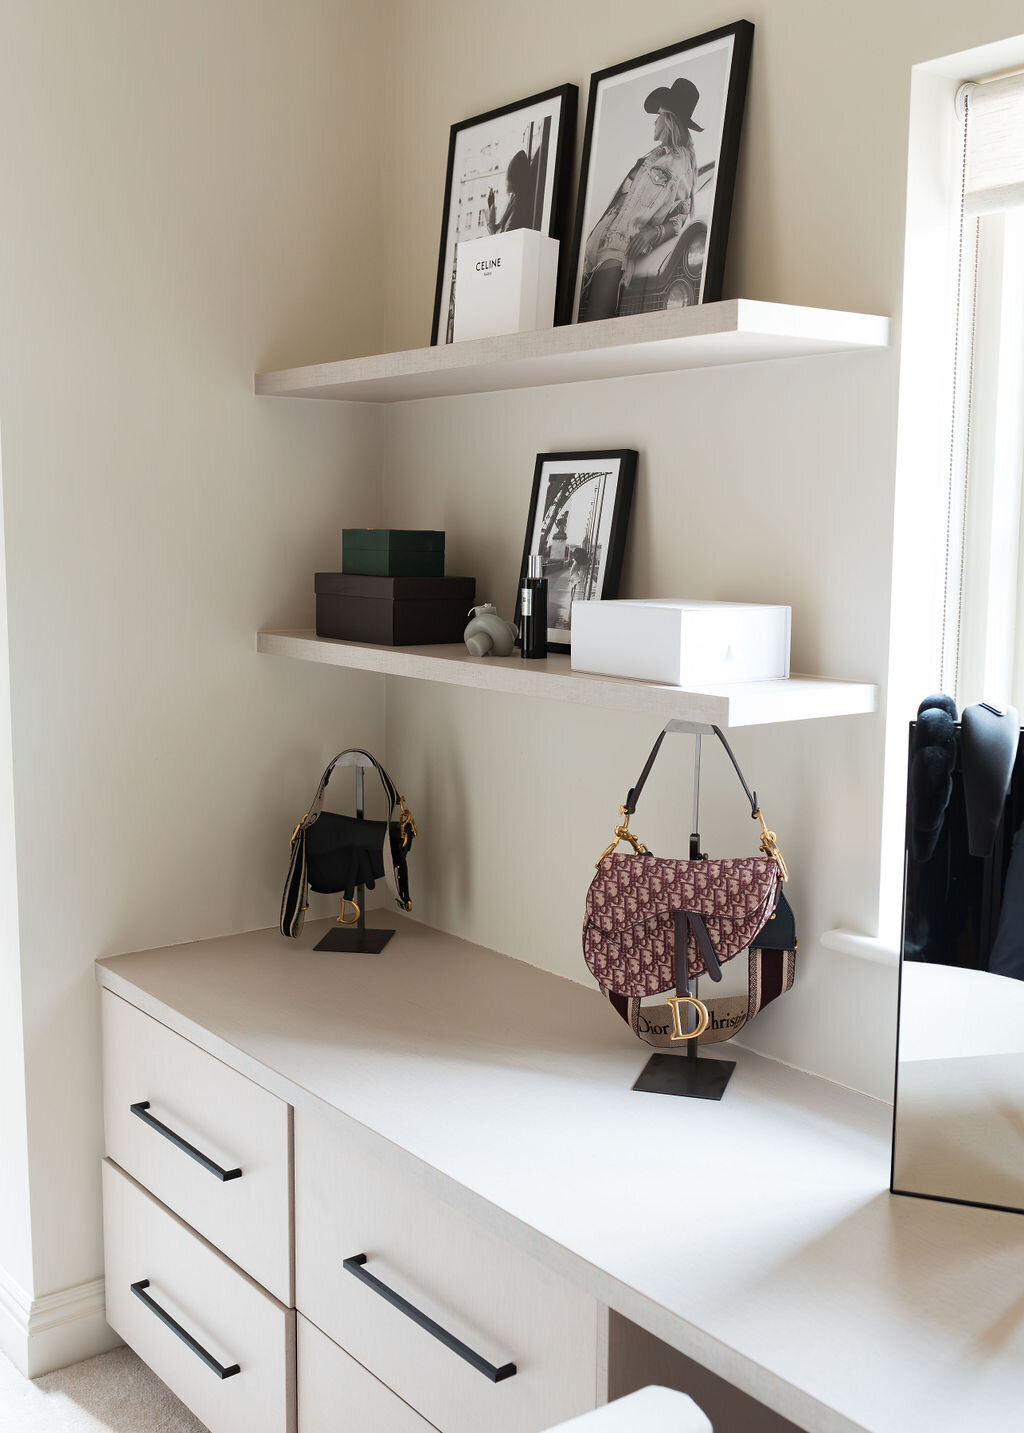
point(769, 841)
point(390, 789)
point(296, 889)
point(770, 973)
point(629, 806)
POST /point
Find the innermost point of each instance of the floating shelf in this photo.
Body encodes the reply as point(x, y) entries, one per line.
point(735, 704)
point(704, 336)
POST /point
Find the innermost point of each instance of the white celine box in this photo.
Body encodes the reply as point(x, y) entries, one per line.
point(681, 643)
point(505, 283)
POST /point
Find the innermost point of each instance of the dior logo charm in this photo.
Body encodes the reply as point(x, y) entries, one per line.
point(703, 1018)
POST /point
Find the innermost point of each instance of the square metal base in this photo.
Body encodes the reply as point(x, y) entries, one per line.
point(355, 941)
point(681, 1075)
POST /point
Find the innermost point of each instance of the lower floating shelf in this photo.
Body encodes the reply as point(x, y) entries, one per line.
point(733, 704)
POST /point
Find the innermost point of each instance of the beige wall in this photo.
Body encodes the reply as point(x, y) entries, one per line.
point(192, 192)
point(818, 215)
point(760, 483)
point(177, 192)
point(771, 482)
point(16, 1252)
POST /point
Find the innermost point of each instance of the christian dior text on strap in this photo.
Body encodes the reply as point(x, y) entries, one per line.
point(653, 924)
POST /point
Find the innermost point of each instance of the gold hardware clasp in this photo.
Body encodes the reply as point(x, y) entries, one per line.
point(623, 833)
point(703, 1017)
point(770, 846)
point(407, 828)
point(341, 914)
point(298, 829)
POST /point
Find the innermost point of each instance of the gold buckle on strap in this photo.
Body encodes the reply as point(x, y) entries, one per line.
point(703, 1017)
point(623, 833)
point(770, 846)
point(407, 828)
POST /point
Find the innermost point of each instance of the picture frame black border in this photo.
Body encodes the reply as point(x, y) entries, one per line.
point(742, 32)
point(559, 226)
point(628, 460)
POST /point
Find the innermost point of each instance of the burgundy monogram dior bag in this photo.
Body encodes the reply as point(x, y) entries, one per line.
point(655, 924)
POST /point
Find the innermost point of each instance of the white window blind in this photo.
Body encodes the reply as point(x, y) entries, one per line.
point(995, 145)
point(983, 614)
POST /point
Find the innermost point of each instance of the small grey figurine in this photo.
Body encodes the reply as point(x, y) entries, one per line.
point(488, 633)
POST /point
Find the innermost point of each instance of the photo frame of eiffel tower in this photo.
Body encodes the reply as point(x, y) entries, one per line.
point(579, 516)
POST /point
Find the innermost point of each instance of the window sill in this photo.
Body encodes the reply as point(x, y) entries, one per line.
point(865, 947)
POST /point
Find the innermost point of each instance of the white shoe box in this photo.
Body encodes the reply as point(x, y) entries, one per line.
point(505, 283)
point(681, 643)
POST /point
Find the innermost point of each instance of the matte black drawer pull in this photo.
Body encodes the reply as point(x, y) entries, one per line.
point(139, 1290)
point(496, 1375)
point(142, 1110)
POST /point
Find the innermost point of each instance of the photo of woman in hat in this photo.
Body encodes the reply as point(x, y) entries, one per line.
point(659, 165)
point(652, 203)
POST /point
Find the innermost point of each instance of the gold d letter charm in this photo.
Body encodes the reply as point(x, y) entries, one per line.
point(703, 1018)
point(341, 914)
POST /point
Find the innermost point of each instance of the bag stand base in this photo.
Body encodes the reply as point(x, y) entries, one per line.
point(685, 1075)
point(352, 937)
point(354, 941)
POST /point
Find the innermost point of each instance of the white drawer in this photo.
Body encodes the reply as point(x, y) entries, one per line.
point(337, 1395)
point(228, 1121)
point(228, 1317)
point(351, 1200)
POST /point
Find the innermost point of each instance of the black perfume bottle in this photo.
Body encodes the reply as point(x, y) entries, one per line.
point(533, 604)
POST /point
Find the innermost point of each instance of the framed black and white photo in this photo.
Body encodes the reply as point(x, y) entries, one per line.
point(579, 513)
point(508, 169)
point(659, 165)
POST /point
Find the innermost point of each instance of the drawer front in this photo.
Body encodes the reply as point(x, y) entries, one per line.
point(337, 1395)
point(495, 1302)
point(229, 1319)
point(229, 1123)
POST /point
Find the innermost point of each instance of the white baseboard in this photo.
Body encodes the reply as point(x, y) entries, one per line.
point(39, 1335)
point(15, 1308)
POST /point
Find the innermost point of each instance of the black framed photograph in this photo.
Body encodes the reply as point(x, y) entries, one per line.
point(579, 513)
point(656, 185)
point(508, 169)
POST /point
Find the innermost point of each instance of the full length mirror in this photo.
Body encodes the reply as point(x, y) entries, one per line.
point(959, 1122)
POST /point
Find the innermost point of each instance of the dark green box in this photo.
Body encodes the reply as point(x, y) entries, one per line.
point(392, 552)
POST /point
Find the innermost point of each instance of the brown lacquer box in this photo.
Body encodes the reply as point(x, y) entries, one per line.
point(393, 611)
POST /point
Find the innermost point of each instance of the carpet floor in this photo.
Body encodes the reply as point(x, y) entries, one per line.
point(114, 1393)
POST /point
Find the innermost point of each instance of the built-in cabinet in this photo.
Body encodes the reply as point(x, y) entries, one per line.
point(463, 1132)
point(335, 1393)
point(523, 1343)
point(229, 1229)
point(216, 1337)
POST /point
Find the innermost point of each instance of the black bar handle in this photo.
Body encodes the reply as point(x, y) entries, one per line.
point(142, 1110)
point(139, 1290)
point(496, 1375)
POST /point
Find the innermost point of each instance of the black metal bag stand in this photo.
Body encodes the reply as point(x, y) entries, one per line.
point(352, 936)
point(688, 1074)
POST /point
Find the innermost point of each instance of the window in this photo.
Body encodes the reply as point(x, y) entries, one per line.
point(957, 620)
point(982, 635)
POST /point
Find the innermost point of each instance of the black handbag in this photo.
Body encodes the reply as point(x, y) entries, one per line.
point(333, 854)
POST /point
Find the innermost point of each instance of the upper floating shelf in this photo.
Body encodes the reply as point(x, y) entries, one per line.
point(733, 704)
point(704, 336)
